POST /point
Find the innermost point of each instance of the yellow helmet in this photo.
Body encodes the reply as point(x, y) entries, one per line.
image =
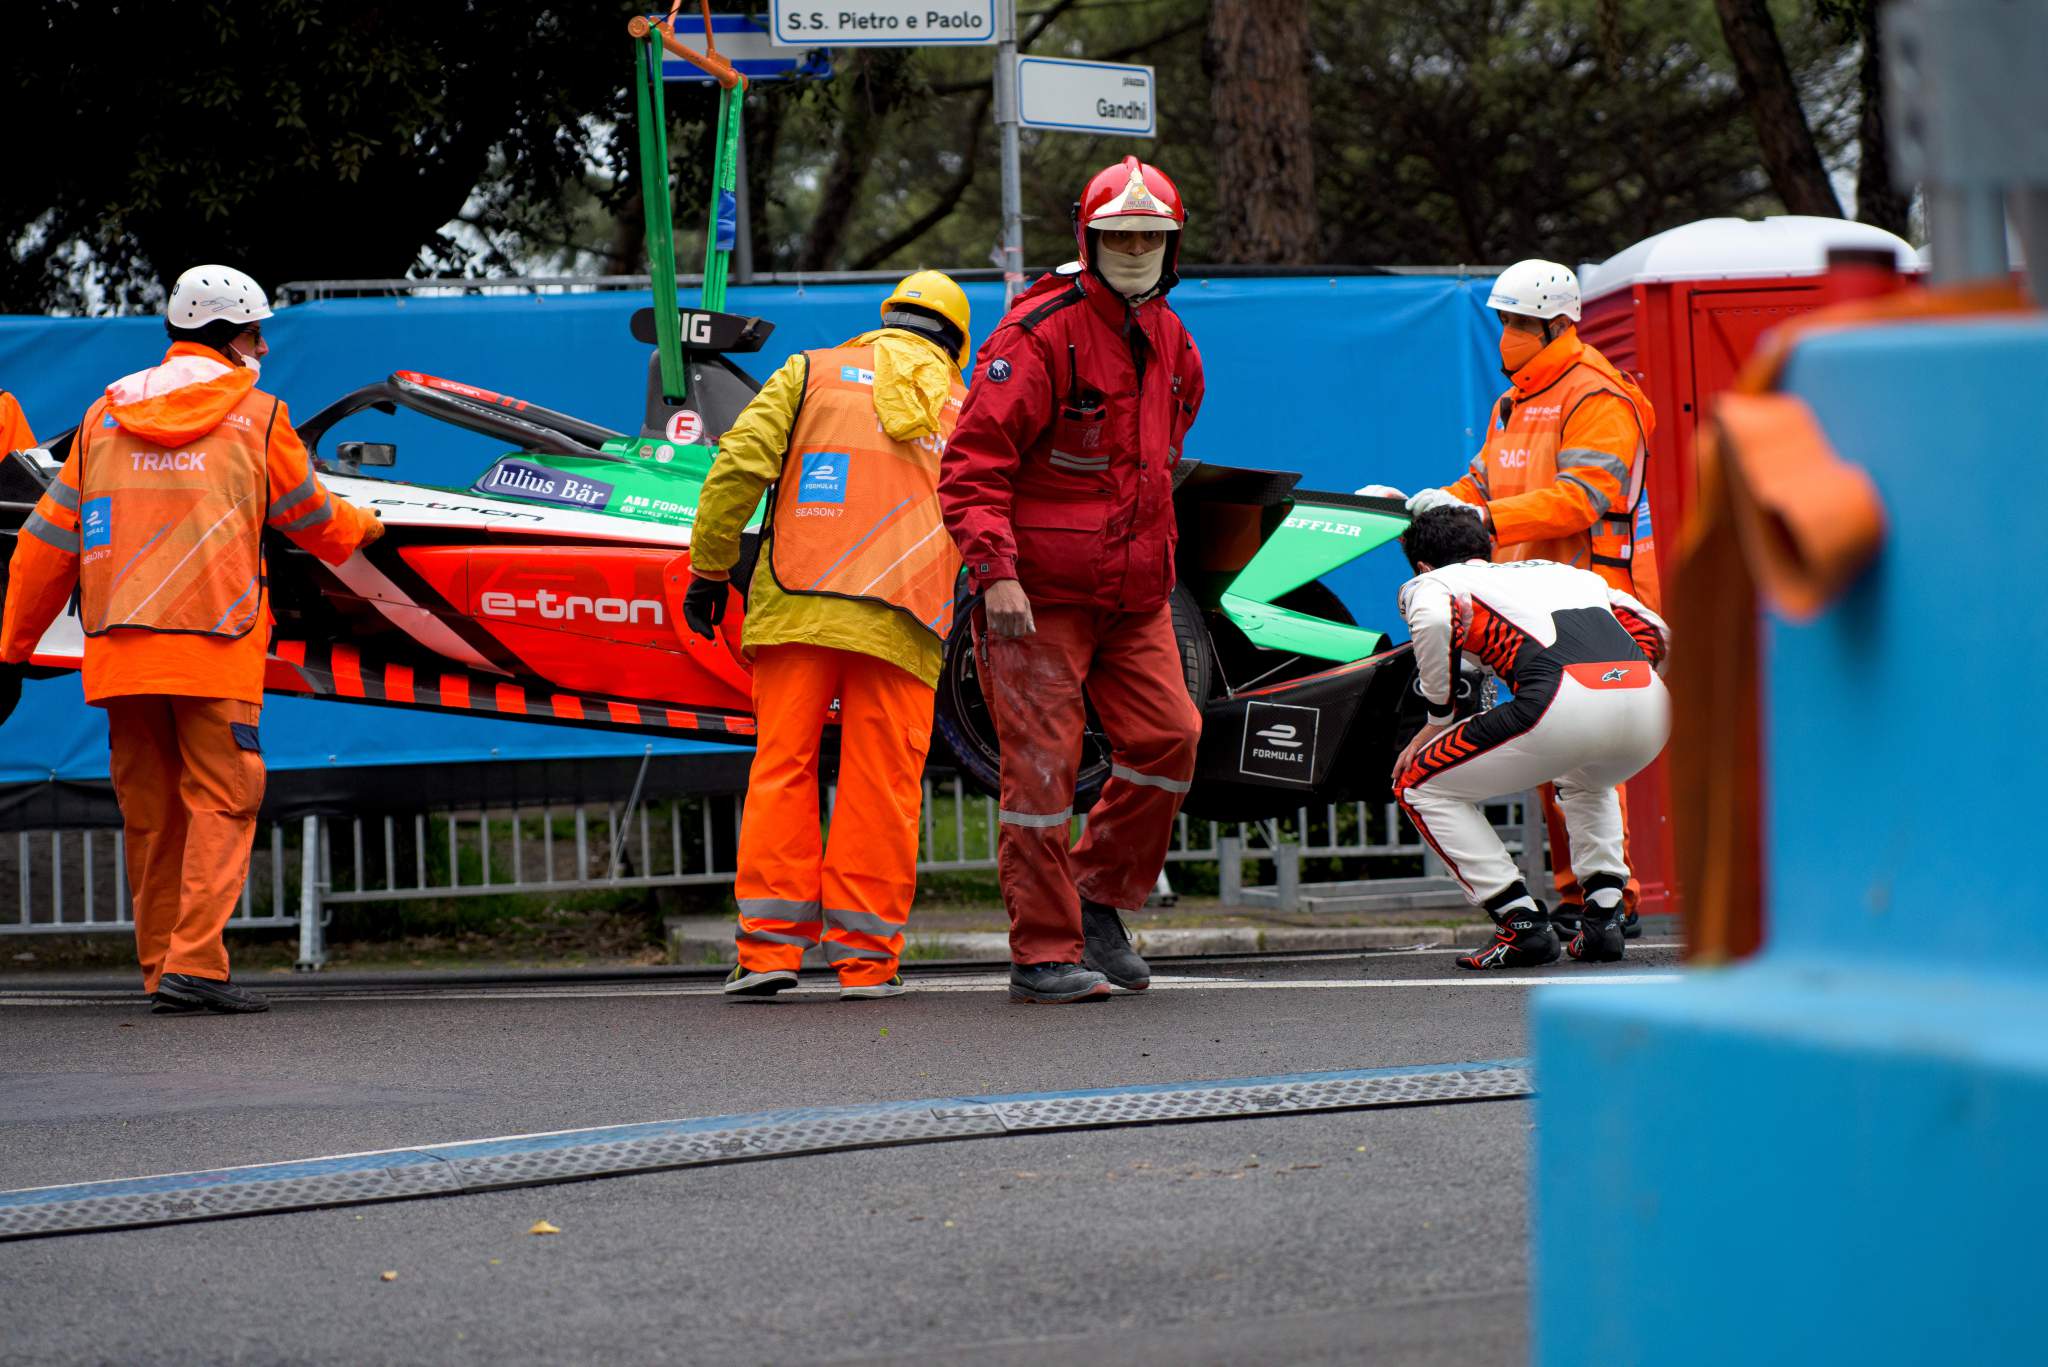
point(936, 293)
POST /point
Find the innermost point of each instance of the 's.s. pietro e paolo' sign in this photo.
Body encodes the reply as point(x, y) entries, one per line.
point(883, 23)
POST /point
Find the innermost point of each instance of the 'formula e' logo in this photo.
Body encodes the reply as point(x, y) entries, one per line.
point(1279, 742)
point(824, 478)
point(855, 375)
point(556, 607)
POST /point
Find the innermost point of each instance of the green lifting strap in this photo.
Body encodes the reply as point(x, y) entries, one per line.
point(661, 233)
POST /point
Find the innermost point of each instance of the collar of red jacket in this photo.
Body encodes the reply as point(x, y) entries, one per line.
point(185, 397)
point(1554, 360)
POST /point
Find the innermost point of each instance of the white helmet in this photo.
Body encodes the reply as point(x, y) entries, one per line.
point(210, 294)
point(1536, 289)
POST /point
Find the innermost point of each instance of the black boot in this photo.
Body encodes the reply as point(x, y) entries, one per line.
point(1052, 984)
point(1602, 937)
point(1522, 937)
point(1107, 948)
point(179, 993)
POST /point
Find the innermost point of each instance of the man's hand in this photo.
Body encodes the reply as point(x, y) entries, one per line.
point(1380, 491)
point(704, 604)
point(1439, 498)
point(1008, 610)
point(1429, 732)
point(370, 533)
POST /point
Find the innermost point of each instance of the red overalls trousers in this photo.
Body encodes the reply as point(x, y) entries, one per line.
point(1038, 688)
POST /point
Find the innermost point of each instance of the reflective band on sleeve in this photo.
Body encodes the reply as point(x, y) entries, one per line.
point(1036, 819)
point(304, 490)
point(312, 519)
point(1478, 472)
point(1130, 775)
point(48, 532)
point(778, 909)
point(63, 495)
point(866, 922)
point(1585, 458)
point(1599, 499)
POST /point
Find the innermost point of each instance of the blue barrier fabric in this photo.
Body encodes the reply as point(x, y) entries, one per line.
point(1347, 380)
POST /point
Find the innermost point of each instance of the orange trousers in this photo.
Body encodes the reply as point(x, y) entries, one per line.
point(852, 890)
point(1568, 891)
point(188, 774)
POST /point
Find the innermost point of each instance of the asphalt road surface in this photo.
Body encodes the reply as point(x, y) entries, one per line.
point(1395, 1235)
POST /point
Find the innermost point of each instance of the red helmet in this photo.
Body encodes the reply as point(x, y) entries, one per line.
point(1131, 196)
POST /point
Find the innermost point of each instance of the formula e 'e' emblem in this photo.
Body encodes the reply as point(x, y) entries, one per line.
point(1279, 742)
point(999, 370)
point(823, 479)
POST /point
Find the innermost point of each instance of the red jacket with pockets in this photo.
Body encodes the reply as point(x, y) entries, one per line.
point(1060, 472)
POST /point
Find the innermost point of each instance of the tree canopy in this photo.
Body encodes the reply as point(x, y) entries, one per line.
point(303, 140)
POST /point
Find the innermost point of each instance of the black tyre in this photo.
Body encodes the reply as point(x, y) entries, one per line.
point(961, 715)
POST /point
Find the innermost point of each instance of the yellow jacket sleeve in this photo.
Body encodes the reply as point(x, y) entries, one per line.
point(749, 460)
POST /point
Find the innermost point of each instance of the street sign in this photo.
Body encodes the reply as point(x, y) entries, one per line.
point(883, 23)
point(751, 49)
point(1086, 97)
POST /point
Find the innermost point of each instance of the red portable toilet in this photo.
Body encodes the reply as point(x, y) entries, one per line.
point(1680, 312)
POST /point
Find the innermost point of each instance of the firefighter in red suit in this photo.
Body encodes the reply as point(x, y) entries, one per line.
point(1058, 488)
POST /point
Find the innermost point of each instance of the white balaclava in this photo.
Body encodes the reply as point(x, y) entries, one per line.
point(1131, 276)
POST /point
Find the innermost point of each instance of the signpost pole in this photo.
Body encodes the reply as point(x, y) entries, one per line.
point(1012, 249)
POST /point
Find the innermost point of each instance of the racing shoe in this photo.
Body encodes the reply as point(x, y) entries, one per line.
point(181, 993)
point(1631, 926)
point(1601, 939)
point(1106, 948)
point(744, 982)
point(1053, 984)
point(1522, 937)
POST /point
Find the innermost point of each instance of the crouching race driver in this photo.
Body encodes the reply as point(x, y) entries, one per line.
point(1589, 712)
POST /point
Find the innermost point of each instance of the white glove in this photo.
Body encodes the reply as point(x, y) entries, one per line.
point(1381, 491)
point(1438, 498)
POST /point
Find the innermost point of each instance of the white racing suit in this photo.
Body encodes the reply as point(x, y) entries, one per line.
point(1589, 710)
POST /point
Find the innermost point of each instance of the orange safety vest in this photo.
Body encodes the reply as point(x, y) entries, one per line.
point(1523, 443)
point(856, 512)
point(172, 541)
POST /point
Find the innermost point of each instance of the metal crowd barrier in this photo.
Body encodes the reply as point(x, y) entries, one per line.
point(72, 882)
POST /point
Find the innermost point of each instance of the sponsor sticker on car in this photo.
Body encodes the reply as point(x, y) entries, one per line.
point(1280, 742)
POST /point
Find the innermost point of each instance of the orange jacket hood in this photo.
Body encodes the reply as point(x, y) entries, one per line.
point(185, 397)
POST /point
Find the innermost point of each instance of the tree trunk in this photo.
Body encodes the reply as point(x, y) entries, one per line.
point(1879, 201)
point(874, 84)
point(1257, 60)
point(1789, 154)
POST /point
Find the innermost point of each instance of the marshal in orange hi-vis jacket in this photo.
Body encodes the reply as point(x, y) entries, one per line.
point(156, 519)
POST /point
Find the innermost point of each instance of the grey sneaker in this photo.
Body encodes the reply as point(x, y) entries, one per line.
point(744, 983)
point(1106, 942)
point(1051, 984)
point(873, 991)
point(180, 994)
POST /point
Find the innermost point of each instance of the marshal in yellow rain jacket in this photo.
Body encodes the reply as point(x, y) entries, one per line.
point(916, 401)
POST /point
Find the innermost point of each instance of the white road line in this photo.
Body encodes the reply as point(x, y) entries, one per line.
point(990, 983)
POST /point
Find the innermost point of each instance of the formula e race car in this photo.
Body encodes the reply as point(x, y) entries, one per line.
point(551, 590)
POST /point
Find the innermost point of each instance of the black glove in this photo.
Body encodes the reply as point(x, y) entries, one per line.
point(704, 606)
